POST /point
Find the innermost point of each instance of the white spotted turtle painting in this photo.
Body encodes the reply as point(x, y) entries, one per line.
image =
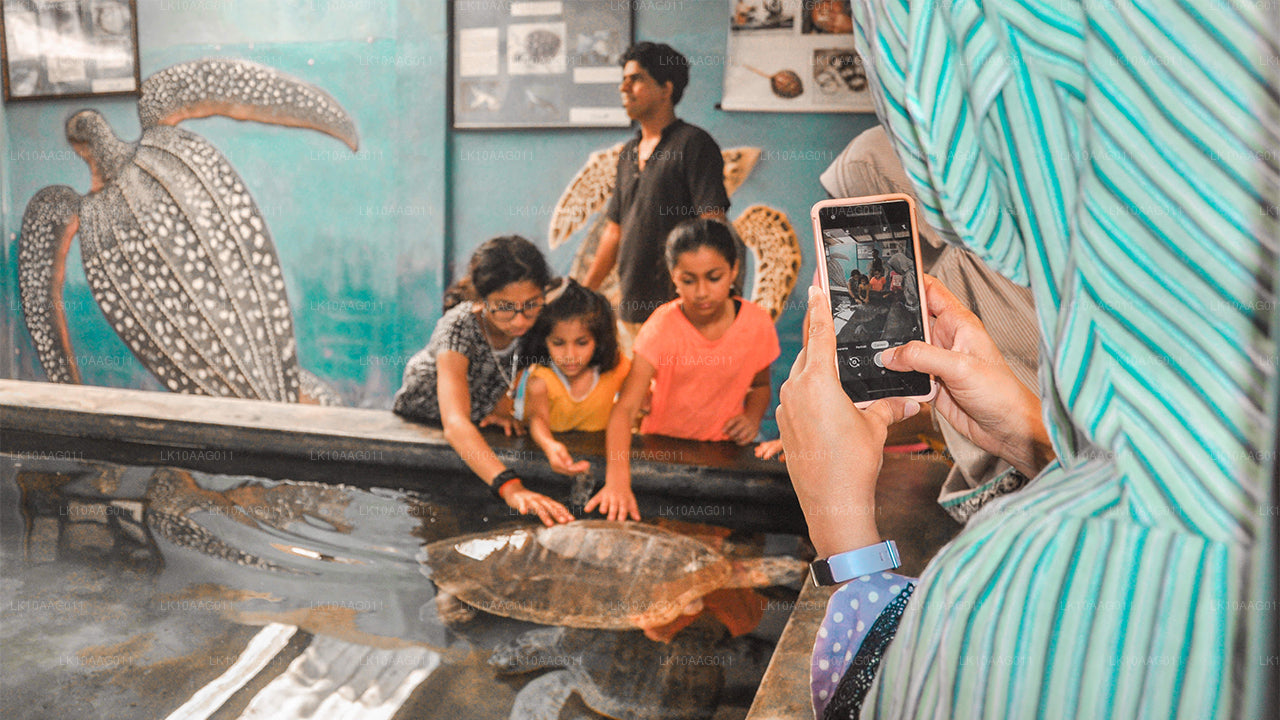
point(176, 252)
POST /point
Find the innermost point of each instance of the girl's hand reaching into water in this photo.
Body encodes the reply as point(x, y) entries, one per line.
point(615, 502)
point(562, 462)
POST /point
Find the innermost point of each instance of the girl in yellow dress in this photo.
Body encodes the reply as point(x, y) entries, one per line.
point(578, 373)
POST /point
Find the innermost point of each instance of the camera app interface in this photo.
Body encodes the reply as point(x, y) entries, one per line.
point(875, 298)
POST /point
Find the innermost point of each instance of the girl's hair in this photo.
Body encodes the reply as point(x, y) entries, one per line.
point(496, 264)
point(576, 302)
point(690, 235)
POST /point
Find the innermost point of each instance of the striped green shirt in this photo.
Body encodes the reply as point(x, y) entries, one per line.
point(1121, 159)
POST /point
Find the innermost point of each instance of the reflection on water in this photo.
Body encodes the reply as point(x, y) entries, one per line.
point(138, 592)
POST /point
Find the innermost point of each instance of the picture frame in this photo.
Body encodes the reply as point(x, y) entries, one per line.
point(69, 48)
point(537, 63)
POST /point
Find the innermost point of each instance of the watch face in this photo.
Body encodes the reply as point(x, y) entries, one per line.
point(820, 573)
point(846, 566)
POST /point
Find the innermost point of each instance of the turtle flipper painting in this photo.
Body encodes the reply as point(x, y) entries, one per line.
point(175, 250)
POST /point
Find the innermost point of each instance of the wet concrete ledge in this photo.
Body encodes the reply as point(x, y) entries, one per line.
point(719, 483)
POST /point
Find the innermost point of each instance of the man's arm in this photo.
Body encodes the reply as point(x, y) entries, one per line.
point(606, 255)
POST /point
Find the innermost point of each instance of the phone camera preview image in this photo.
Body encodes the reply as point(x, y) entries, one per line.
point(875, 298)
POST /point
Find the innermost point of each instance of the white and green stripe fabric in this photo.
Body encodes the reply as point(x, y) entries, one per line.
point(1114, 156)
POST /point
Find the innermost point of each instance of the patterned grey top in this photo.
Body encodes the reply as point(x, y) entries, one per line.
point(459, 330)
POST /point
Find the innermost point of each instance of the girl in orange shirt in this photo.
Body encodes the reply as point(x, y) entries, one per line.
point(579, 372)
point(707, 355)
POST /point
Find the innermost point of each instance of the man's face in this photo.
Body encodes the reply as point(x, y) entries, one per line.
point(641, 94)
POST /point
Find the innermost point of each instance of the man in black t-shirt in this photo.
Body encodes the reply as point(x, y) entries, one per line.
point(669, 172)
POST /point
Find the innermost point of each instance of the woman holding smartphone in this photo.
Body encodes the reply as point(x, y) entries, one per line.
point(1112, 584)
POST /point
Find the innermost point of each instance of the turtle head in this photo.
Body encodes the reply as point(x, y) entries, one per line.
point(94, 140)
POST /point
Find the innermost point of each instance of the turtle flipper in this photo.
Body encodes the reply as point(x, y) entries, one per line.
point(313, 390)
point(527, 652)
point(767, 572)
point(544, 697)
point(51, 220)
point(241, 90)
point(586, 195)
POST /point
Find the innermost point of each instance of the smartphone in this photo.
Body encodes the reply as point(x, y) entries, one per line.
point(869, 265)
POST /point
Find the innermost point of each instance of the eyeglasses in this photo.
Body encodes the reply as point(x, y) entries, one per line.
point(505, 311)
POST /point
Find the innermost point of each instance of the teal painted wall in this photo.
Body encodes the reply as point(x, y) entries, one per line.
point(8, 264)
point(368, 240)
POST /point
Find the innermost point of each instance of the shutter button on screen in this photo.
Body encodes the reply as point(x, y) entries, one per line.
point(877, 360)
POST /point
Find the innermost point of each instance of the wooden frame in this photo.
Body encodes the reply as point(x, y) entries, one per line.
point(537, 63)
point(69, 48)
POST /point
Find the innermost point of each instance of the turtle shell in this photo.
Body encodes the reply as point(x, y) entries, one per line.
point(586, 574)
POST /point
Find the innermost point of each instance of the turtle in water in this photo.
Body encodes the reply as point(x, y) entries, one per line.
point(175, 250)
point(592, 573)
point(621, 675)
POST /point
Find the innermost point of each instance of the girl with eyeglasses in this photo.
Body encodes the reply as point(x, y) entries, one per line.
point(462, 379)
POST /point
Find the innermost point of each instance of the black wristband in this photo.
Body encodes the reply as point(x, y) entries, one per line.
point(501, 479)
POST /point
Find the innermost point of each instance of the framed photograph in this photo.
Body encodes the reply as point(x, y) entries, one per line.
point(69, 48)
point(537, 63)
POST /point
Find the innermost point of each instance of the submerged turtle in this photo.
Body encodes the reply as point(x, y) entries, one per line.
point(621, 675)
point(175, 250)
point(592, 573)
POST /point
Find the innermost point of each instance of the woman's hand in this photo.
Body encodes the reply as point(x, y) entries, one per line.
point(741, 428)
point(615, 501)
point(834, 450)
point(978, 393)
point(561, 461)
point(525, 501)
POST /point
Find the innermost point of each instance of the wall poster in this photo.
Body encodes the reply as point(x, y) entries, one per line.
point(793, 56)
point(69, 48)
point(538, 63)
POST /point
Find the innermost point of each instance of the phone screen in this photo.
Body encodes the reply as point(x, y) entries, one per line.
point(870, 259)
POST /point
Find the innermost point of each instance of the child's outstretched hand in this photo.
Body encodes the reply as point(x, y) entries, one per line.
point(562, 462)
point(741, 429)
point(615, 502)
point(771, 448)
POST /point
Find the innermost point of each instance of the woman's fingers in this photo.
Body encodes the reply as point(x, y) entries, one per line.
point(922, 357)
point(938, 298)
point(820, 342)
point(891, 410)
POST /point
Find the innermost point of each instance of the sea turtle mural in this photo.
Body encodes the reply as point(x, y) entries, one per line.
point(175, 250)
point(593, 573)
point(766, 231)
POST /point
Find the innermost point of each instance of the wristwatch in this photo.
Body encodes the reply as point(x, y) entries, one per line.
point(848, 565)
